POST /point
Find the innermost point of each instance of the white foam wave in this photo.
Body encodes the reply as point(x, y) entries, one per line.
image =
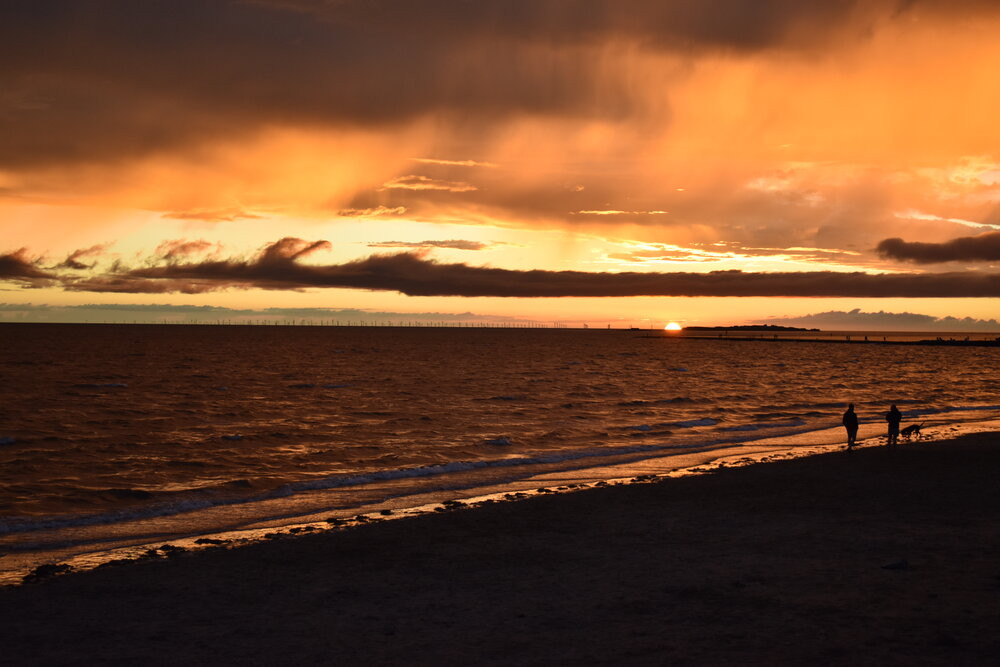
point(18, 525)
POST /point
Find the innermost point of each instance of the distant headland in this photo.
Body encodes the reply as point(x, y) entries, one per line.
point(749, 327)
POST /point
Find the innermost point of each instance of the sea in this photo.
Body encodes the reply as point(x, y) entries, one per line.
point(117, 437)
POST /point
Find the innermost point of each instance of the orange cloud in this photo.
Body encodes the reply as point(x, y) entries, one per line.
point(454, 163)
point(372, 212)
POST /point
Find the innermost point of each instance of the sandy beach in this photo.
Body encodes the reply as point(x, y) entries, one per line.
point(876, 556)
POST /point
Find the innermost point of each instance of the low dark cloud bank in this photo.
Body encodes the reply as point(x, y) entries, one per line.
point(109, 79)
point(171, 313)
point(277, 267)
point(981, 248)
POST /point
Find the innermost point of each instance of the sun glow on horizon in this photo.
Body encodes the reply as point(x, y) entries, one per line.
point(672, 326)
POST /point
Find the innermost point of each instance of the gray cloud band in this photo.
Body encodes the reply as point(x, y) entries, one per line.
point(982, 248)
point(277, 268)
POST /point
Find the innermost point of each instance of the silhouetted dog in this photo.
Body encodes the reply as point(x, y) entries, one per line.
point(912, 430)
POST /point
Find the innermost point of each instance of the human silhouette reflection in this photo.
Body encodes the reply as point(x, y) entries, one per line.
point(893, 417)
point(850, 421)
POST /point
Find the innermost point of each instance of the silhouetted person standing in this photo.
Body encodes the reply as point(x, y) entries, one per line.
point(850, 422)
point(894, 416)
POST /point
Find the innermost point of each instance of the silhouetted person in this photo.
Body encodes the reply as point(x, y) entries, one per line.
point(850, 422)
point(894, 416)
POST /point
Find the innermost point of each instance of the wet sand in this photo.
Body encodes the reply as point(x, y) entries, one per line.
point(876, 556)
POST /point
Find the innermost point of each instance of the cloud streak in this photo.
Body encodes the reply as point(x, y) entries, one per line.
point(213, 215)
point(454, 163)
point(981, 248)
point(418, 182)
point(372, 212)
point(603, 212)
point(453, 244)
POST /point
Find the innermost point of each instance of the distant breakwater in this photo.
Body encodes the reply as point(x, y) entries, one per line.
point(848, 340)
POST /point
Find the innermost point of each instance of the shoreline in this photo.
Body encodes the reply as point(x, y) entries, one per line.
point(693, 461)
point(882, 555)
point(18, 563)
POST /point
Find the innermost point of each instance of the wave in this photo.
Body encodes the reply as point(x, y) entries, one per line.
point(687, 423)
point(948, 408)
point(662, 401)
point(236, 491)
point(204, 501)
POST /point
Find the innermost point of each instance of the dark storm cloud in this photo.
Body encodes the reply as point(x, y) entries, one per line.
point(108, 79)
point(858, 320)
point(116, 78)
point(981, 248)
point(743, 25)
point(18, 267)
point(277, 268)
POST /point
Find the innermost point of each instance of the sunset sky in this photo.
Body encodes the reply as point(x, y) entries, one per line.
point(600, 161)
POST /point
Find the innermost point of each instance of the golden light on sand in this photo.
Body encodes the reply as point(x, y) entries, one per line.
point(672, 326)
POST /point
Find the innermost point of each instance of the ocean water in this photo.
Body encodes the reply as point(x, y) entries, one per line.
point(130, 433)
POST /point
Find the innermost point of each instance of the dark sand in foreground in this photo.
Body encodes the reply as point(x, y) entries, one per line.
point(874, 557)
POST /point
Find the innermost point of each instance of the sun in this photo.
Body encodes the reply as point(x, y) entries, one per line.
point(672, 326)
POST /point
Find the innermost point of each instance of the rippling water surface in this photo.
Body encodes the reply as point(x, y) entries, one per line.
point(102, 424)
